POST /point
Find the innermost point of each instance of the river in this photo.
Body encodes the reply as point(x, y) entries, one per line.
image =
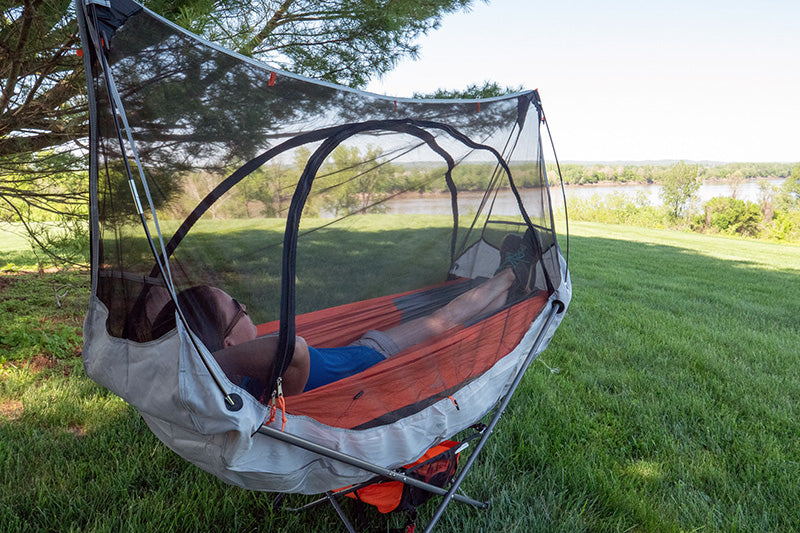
point(440, 204)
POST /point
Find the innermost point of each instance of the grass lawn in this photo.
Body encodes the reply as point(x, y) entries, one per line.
point(673, 408)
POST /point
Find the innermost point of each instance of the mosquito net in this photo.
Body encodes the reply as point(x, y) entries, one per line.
point(323, 210)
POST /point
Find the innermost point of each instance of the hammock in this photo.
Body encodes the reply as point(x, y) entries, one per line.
point(212, 169)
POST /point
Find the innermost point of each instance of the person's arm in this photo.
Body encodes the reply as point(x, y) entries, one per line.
point(255, 359)
point(296, 376)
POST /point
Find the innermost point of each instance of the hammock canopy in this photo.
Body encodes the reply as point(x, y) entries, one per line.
point(309, 203)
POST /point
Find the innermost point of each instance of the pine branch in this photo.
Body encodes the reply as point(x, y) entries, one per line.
point(268, 28)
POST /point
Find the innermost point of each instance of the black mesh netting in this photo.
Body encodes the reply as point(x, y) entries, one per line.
point(242, 163)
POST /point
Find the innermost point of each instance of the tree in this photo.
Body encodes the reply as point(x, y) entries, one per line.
point(43, 111)
point(343, 41)
point(489, 89)
point(785, 224)
point(789, 192)
point(679, 186)
point(352, 182)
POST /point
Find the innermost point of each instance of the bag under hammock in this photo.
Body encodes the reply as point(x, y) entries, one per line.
point(303, 200)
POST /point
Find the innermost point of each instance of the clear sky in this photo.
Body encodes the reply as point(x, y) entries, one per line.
point(694, 80)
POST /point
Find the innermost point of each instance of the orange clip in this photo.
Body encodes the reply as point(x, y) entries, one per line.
point(454, 402)
point(282, 403)
point(276, 401)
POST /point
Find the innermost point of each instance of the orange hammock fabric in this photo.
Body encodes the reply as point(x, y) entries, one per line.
point(412, 379)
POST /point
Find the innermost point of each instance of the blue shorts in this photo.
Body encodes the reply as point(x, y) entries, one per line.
point(332, 364)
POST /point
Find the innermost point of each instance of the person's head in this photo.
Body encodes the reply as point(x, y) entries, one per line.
point(142, 316)
point(212, 314)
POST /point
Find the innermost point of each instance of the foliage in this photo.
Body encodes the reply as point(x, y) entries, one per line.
point(41, 77)
point(729, 215)
point(43, 109)
point(725, 215)
point(745, 171)
point(353, 182)
point(343, 41)
point(785, 226)
point(46, 186)
point(589, 173)
point(618, 208)
point(47, 195)
point(489, 89)
point(271, 186)
point(782, 209)
point(679, 187)
point(789, 194)
point(65, 243)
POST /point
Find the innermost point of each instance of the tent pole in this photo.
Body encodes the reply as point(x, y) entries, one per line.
point(364, 465)
point(331, 498)
point(555, 309)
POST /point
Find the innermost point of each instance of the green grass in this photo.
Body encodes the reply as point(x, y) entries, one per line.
point(674, 408)
point(15, 251)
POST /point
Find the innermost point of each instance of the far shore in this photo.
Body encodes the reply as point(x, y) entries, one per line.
point(575, 186)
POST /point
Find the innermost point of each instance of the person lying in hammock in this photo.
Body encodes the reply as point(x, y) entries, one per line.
point(224, 326)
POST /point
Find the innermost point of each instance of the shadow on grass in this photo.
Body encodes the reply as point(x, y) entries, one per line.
point(334, 266)
point(23, 260)
point(675, 400)
point(678, 376)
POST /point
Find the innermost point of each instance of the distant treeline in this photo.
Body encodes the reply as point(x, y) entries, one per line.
point(355, 180)
point(588, 173)
point(476, 176)
point(775, 216)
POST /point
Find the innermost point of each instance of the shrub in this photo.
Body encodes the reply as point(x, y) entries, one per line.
point(785, 226)
point(730, 216)
point(617, 208)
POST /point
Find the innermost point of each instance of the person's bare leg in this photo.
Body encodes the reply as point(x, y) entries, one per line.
point(485, 298)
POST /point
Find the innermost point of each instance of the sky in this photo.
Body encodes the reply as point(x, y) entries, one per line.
point(631, 80)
